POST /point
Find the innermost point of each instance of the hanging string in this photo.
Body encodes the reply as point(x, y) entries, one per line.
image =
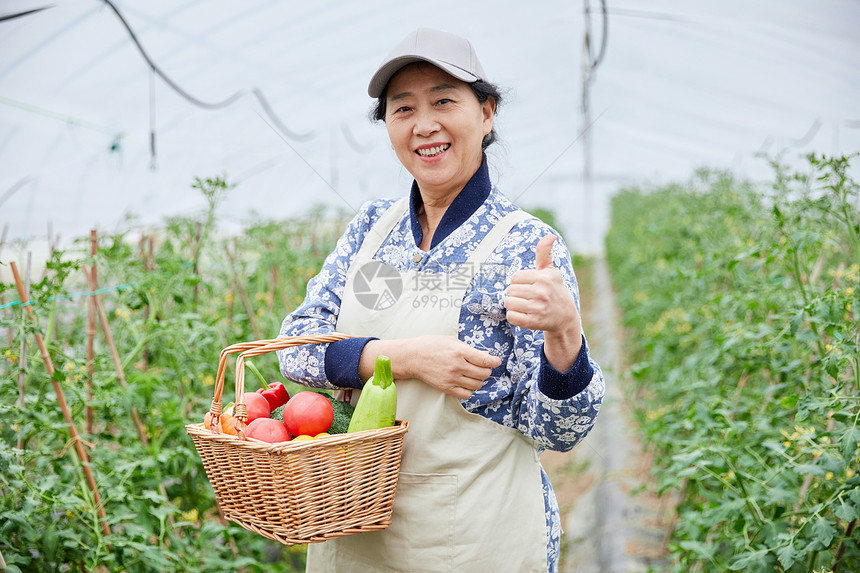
point(589, 65)
point(593, 61)
point(210, 105)
point(72, 295)
point(24, 13)
point(65, 118)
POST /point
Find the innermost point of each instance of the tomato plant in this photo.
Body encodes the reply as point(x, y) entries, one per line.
point(308, 413)
point(173, 299)
point(744, 348)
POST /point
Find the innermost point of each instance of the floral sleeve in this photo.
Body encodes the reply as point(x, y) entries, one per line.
point(319, 311)
point(553, 424)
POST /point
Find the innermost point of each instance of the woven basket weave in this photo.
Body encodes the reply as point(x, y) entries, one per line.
point(299, 492)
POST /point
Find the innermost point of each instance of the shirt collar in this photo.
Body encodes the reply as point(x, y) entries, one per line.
point(461, 208)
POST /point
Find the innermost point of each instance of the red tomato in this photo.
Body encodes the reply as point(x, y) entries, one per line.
point(308, 413)
point(267, 430)
point(258, 406)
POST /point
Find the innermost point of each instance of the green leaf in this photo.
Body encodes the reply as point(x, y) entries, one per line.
point(813, 469)
point(687, 458)
point(854, 496)
point(803, 408)
point(787, 555)
point(848, 441)
point(796, 321)
point(700, 549)
point(162, 512)
point(823, 531)
point(49, 543)
point(243, 561)
point(789, 401)
point(780, 496)
point(749, 560)
point(846, 511)
point(687, 472)
point(153, 496)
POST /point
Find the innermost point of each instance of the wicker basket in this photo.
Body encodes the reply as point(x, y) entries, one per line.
point(299, 492)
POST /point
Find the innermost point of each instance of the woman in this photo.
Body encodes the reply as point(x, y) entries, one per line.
point(476, 304)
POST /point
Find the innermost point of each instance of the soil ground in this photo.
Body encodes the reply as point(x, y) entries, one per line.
point(612, 518)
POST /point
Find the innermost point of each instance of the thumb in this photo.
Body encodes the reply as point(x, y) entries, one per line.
point(543, 252)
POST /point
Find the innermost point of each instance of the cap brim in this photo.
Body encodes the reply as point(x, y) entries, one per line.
point(383, 75)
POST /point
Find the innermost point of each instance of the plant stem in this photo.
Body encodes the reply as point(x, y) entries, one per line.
point(840, 551)
point(263, 383)
point(852, 230)
point(810, 564)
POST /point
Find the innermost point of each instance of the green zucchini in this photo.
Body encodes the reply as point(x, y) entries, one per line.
point(377, 403)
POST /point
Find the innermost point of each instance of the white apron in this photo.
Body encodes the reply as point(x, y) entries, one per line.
point(469, 496)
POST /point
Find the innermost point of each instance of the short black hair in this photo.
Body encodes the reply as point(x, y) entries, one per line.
point(482, 90)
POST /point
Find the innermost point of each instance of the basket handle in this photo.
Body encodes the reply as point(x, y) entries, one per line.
point(256, 348)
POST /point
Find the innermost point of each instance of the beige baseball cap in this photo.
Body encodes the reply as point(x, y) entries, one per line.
point(444, 50)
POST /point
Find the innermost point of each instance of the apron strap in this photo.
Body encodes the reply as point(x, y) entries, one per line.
point(385, 224)
point(492, 239)
point(381, 229)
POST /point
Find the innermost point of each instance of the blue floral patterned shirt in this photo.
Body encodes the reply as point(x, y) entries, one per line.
point(555, 409)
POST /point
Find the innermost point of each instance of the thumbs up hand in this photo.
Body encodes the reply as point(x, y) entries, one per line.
point(543, 252)
point(538, 300)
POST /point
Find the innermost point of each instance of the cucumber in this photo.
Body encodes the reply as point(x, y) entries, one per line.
point(377, 403)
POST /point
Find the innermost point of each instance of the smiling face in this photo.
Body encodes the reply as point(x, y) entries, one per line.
point(436, 125)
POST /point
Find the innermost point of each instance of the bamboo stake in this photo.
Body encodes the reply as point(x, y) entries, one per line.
point(195, 257)
point(53, 241)
point(285, 299)
point(273, 281)
point(231, 295)
point(117, 363)
point(840, 551)
point(22, 354)
point(91, 337)
point(61, 399)
point(150, 262)
point(148, 265)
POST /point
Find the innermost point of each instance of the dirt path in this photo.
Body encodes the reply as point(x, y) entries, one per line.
point(612, 518)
